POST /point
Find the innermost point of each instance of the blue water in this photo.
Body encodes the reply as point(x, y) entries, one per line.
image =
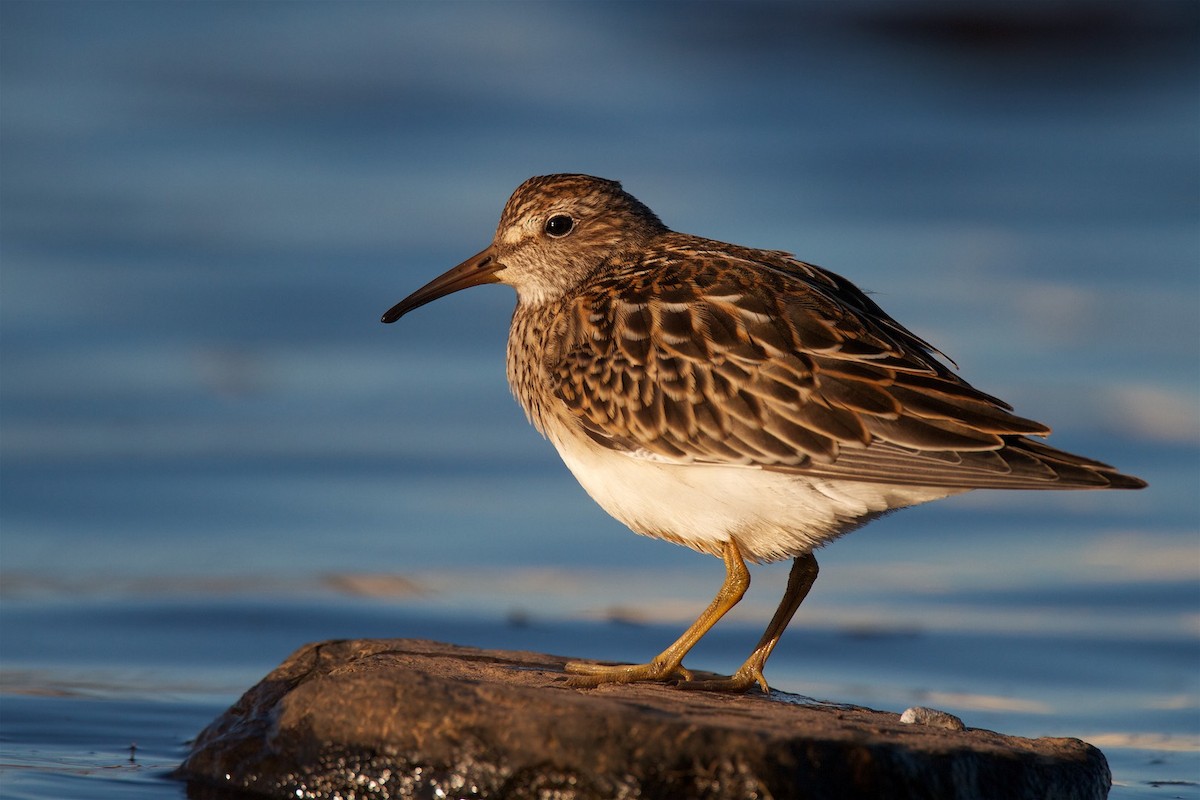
point(211, 452)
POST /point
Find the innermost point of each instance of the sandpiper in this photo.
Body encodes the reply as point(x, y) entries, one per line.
point(738, 401)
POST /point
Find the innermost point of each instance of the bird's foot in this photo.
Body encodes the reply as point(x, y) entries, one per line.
point(739, 682)
point(589, 676)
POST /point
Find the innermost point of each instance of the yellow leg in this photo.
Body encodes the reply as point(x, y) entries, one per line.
point(668, 664)
point(800, 580)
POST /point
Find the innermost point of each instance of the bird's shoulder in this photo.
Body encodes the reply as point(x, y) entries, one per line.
point(703, 299)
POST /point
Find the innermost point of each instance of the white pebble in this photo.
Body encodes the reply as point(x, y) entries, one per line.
point(920, 715)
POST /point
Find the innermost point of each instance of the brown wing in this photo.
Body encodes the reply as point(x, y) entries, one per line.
point(712, 354)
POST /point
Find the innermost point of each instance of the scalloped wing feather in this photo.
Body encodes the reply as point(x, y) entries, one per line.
point(723, 355)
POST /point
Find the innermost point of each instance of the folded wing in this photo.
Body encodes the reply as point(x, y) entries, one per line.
point(740, 357)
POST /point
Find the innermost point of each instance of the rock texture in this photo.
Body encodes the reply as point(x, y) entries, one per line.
point(407, 718)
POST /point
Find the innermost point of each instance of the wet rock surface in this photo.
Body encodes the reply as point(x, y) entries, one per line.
point(404, 718)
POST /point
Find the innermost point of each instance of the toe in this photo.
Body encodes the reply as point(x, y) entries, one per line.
point(739, 683)
point(587, 676)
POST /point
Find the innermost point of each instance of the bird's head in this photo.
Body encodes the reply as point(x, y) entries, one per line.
point(555, 231)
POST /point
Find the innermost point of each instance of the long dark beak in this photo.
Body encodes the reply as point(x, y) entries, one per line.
point(479, 268)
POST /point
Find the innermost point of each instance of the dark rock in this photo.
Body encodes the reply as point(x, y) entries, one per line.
point(409, 718)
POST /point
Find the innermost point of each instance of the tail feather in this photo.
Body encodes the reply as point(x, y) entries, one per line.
point(1021, 463)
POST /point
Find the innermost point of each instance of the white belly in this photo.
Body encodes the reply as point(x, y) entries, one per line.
point(771, 515)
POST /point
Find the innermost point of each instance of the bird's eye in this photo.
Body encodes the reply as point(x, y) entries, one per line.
point(559, 225)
